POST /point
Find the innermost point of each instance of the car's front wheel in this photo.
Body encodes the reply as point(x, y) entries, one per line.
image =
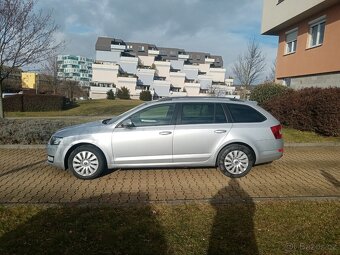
point(236, 160)
point(86, 162)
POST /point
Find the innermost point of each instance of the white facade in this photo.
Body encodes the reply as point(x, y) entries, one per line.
point(146, 60)
point(217, 74)
point(175, 77)
point(129, 83)
point(162, 68)
point(105, 73)
point(99, 92)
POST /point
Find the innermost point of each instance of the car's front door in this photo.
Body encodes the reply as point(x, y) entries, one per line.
point(148, 141)
point(200, 130)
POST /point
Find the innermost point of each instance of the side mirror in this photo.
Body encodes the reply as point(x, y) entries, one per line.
point(127, 123)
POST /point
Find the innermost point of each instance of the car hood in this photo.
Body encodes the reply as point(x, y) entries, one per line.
point(81, 129)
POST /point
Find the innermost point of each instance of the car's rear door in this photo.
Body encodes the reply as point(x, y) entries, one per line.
point(200, 129)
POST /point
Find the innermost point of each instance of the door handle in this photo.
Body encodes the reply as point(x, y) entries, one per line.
point(220, 131)
point(165, 133)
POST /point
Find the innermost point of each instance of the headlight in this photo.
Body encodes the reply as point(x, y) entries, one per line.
point(55, 140)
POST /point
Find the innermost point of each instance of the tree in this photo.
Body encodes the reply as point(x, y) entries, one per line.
point(145, 95)
point(71, 89)
point(26, 37)
point(249, 65)
point(110, 95)
point(123, 93)
point(272, 73)
point(50, 69)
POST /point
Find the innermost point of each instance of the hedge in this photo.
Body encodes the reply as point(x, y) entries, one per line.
point(310, 109)
point(265, 92)
point(33, 103)
point(13, 103)
point(30, 131)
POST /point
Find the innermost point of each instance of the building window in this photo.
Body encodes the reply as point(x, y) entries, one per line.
point(291, 41)
point(316, 32)
point(140, 48)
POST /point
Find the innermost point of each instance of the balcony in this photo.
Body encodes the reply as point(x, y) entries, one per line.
point(183, 56)
point(153, 52)
point(118, 47)
point(209, 60)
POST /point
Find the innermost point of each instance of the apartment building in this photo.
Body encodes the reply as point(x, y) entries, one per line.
point(77, 68)
point(164, 71)
point(309, 36)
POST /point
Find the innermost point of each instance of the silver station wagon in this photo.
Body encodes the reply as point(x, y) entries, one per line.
point(173, 132)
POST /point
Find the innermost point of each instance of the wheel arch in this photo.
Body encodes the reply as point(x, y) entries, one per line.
point(235, 143)
point(73, 147)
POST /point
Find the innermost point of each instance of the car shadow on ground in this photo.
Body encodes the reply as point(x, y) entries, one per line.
point(110, 171)
point(22, 168)
point(89, 227)
point(331, 179)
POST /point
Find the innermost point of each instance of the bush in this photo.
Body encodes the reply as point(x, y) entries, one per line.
point(123, 93)
point(29, 131)
point(110, 95)
point(33, 103)
point(265, 92)
point(310, 109)
point(13, 103)
point(145, 95)
point(40, 103)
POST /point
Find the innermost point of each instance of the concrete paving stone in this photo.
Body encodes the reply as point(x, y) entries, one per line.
point(25, 177)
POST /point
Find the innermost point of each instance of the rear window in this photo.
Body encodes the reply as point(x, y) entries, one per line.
point(244, 114)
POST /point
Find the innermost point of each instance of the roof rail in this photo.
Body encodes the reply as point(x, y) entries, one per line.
point(199, 97)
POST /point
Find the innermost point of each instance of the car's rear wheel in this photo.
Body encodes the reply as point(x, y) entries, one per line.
point(86, 162)
point(236, 160)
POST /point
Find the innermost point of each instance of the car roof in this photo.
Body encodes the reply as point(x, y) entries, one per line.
point(200, 99)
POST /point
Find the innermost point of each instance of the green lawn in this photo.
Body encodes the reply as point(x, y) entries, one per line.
point(246, 228)
point(100, 107)
point(291, 135)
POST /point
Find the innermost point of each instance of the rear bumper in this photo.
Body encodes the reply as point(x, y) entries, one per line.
point(269, 156)
point(271, 150)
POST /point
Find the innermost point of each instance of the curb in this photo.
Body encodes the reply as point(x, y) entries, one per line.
point(332, 144)
point(43, 146)
point(178, 202)
point(22, 146)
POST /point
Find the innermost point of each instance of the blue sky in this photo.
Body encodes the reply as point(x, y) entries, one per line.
point(220, 27)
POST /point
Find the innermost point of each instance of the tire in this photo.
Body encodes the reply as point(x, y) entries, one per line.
point(236, 160)
point(87, 162)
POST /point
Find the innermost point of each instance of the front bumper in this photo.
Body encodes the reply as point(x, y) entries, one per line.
point(55, 155)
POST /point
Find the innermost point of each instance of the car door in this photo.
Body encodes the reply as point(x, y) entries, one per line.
point(148, 141)
point(201, 127)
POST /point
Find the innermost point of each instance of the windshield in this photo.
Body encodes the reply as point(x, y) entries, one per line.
point(126, 113)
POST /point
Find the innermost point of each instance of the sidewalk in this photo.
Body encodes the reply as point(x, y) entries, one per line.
point(303, 173)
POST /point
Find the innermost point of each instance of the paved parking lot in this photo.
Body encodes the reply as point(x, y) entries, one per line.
point(303, 172)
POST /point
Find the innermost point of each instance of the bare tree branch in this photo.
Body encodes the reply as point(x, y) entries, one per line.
point(249, 65)
point(50, 69)
point(26, 37)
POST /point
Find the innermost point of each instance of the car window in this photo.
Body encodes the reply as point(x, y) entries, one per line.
point(219, 114)
point(244, 114)
point(197, 113)
point(154, 116)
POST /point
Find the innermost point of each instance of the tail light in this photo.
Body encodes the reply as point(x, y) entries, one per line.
point(277, 131)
